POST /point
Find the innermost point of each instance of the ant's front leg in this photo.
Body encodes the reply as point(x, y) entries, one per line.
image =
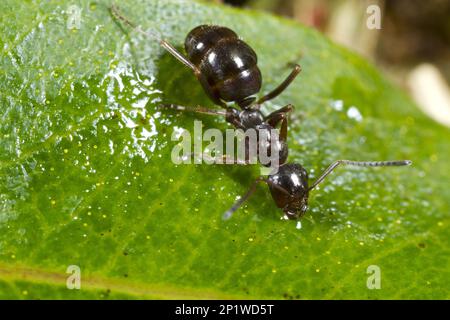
point(152, 35)
point(227, 215)
point(275, 117)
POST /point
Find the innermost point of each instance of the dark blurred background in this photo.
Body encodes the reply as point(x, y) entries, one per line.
point(412, 47)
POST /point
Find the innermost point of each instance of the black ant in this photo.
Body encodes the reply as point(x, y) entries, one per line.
point(227, 69)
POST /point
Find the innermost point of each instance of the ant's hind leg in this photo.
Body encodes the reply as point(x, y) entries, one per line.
point(197, 109)
point(224, 159)
point(174, 52)
point(152, 35)
point(275, 92)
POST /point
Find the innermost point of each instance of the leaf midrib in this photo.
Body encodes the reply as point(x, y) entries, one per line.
point(15, 272)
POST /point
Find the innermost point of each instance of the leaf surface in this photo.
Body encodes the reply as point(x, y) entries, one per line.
point(86, 177)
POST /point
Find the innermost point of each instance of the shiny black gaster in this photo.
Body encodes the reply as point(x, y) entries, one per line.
point(228, 66)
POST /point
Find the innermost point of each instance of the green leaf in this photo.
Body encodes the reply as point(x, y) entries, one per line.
point(86, 177)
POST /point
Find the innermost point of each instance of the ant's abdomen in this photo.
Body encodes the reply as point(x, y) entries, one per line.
point(228, 66)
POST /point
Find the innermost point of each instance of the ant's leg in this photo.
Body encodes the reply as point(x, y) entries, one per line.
point(225, 159)
point(278, 115)
point(198, 109)
point(174, 52)
point(283, 130)
point(286, 109)
point(229, 116)
point(227, 215)
point(335, 164)
point(171, 49)
point(275, 92)
point(284, 124)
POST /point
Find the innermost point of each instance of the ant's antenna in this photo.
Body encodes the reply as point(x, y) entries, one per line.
point(116, 13)
point(227, 215)
point(335, 164)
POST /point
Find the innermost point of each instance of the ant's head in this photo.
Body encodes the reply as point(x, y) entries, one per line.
point(289, 189)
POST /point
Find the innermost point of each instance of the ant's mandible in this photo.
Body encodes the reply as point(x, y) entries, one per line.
point(227, 70)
